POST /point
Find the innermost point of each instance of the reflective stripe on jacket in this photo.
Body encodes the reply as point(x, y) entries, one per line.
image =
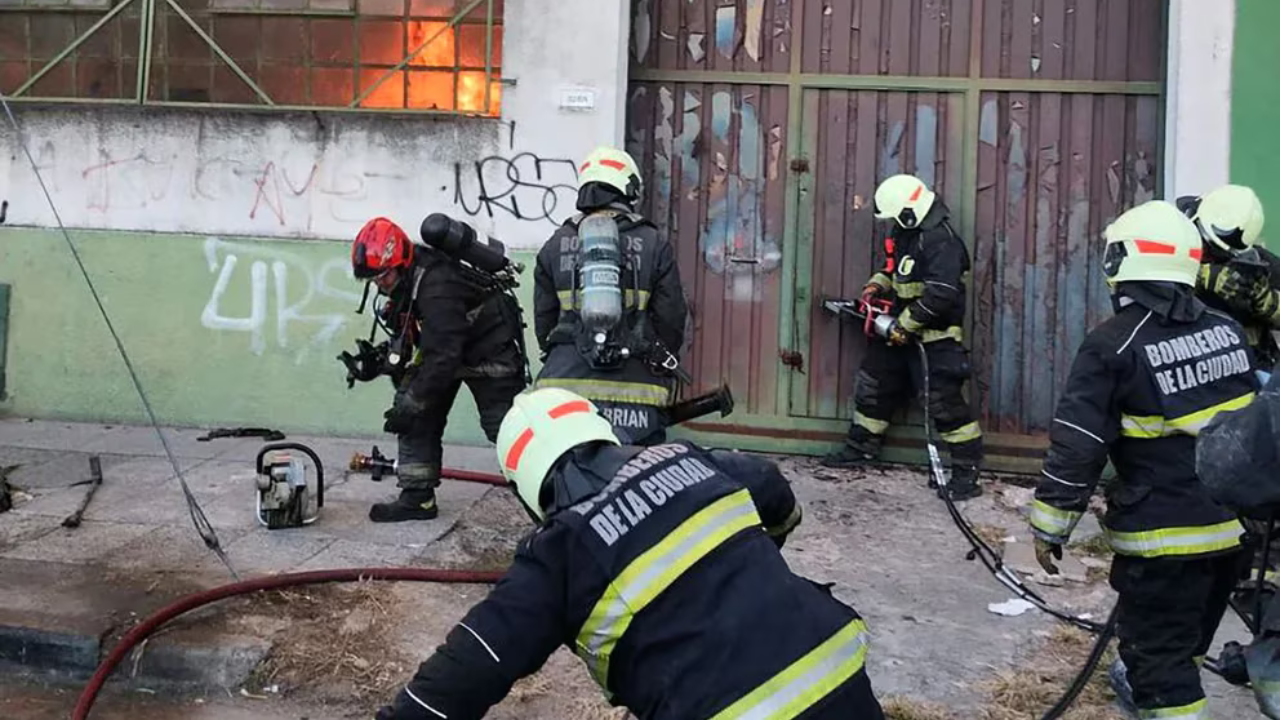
point(1141, 388)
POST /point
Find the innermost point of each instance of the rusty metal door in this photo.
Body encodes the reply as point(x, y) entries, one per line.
point(764, 126)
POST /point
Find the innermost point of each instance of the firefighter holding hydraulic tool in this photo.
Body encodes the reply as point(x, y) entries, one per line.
point(922, 290)
point(1141, 387)
point(609, 307)
point(452, 319)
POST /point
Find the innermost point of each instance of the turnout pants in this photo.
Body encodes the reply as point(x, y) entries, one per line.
point(1169, 610)
point(891, 376)
point(421, 450)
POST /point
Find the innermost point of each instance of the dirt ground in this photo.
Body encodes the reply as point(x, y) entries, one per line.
point(938, 652)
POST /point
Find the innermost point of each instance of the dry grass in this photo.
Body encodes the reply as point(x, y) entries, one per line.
point(897, 707)
point(1031, 690)
point(1096, 546)
point(992, 535)
point(337, 644)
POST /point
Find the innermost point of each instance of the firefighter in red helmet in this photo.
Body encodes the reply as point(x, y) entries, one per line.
point(446, 330)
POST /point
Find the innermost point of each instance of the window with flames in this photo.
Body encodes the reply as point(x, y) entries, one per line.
point(378, 55)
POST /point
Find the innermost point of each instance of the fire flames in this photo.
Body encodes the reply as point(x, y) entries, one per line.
point(429, 81)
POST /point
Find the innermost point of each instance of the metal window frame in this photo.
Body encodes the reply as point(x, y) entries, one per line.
point(146, 34)
point(798, 231)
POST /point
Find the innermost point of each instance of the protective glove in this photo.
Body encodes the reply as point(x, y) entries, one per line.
point(403, 413)
point(1262, 299)
point(1046, 550)
point(898, 335)
point(1226, 283)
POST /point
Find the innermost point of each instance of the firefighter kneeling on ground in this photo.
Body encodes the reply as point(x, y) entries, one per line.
point(925, 279)
point(450, 332)
point(609, 308)
point(660, 568)
point(1142, 386)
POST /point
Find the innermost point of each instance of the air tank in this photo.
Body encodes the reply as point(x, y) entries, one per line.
point(601, 281)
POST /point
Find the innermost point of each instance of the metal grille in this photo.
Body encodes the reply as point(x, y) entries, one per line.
point(1039, 121)
point(441, 56)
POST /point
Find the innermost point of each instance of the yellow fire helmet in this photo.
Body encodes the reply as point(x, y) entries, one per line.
point(541, 426)
point(1230, 217)
point(612, 167)
point(905, 199)
point(1154, 242)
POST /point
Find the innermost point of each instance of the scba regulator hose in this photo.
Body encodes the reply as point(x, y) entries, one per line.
point(275, 582)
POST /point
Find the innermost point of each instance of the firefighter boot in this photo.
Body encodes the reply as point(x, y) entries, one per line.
point(411, 505)
point(848, 458)
point(963, 484)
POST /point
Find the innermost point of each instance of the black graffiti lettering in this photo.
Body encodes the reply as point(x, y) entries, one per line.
point(525, 187)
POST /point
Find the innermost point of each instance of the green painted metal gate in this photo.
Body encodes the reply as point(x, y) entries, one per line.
point(763, 127)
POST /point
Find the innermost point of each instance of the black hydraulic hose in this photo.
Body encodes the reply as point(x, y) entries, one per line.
point(980, 549)
point(1006, 577)
point(1090, 666)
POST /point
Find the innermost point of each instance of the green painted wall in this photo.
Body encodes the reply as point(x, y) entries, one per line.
point(1255, 106)
point(157, 288)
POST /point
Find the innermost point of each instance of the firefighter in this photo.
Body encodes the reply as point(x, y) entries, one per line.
point(452, 332)
point(924, 280)
point(1141, 387)
point(1238, 459)
point(1238, 275)
point(660, 568)
point(609, 307)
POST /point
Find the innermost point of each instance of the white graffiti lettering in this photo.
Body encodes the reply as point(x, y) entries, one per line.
point(290, 272)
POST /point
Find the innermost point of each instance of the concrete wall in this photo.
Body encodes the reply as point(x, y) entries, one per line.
point(221, 332)
point(222, 256)
point(1198, 103)
point(1255, 107)
point(323, 175)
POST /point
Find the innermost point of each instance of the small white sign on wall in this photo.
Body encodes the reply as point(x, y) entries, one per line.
point(577, 98)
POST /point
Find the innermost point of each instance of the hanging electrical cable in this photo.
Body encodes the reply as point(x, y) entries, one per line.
point(202, 524)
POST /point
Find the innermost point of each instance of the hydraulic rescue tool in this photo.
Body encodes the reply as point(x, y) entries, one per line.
point(284, 493)
point(876, 315)
point(720, 401)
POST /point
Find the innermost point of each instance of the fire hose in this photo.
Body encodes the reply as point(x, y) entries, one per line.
point(186, 604)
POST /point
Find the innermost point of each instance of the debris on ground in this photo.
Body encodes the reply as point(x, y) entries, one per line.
point(337, 642)
point(903, 708)
point(1031, 689)
point(1010, 608)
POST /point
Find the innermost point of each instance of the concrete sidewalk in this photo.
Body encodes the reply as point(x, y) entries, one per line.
point(885, 542)
point(66, 592)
